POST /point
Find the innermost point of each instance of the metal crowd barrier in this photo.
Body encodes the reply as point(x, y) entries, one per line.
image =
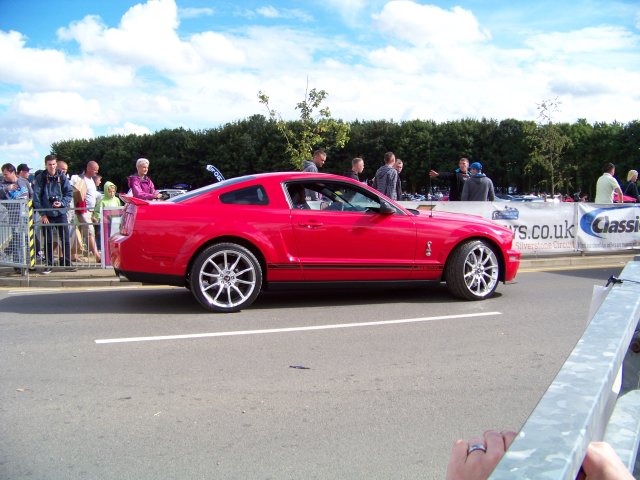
point(14, 228)
point(582, 403)
point(30, 245)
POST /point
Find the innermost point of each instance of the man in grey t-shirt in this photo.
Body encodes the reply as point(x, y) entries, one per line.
point(478, 187)
point(386, 178)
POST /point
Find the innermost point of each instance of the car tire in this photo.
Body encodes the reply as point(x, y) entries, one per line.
point(472, 271)
point(225, 278)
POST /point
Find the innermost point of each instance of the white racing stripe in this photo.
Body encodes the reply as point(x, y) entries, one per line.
point(293, 329)
point(106, 288)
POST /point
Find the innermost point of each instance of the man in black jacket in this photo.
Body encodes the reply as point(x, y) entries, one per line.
point(52, 196)
point(399, 165)
point(357, 167)
point(455, 179)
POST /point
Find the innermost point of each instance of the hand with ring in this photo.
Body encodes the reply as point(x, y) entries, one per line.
point(476, 459)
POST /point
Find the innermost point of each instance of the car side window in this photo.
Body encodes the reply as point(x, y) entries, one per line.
point(334, 197)
point(297, 196)
point(254, 195)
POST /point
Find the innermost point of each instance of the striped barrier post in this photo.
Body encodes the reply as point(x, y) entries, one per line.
point(31, 235)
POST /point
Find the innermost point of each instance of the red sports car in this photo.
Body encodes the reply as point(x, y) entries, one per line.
point(228, 241)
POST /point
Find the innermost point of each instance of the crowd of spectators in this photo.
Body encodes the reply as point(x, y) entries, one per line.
point(69, 208)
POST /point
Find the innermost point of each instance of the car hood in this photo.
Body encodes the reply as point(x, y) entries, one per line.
point(463, 219)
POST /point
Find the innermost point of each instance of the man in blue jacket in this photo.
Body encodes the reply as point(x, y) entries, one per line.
point(479, 187)
point(52, 196)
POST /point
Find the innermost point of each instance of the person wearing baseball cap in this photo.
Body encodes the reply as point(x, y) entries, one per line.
point(23, 171)
point(479, 187)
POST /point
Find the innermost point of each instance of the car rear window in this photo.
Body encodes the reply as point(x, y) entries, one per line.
point(253, 195)
point(209, 188)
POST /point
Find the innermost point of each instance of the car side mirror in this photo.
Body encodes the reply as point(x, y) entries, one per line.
point(386, 208)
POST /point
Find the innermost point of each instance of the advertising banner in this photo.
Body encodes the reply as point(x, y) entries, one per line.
point(538, 227)
point(608, 227)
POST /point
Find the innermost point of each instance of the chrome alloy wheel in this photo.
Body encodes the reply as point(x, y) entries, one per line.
point(481, 270)
point(228, 279)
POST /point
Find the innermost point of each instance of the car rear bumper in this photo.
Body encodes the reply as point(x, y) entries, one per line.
point(152, 278)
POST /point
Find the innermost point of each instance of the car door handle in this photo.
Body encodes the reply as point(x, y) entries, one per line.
point(310, 225)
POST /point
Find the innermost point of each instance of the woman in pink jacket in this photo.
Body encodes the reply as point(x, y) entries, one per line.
point(141, 186)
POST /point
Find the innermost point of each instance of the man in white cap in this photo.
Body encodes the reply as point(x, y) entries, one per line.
point(478, 187)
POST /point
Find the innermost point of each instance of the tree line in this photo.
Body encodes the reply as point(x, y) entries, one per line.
point(510, 151)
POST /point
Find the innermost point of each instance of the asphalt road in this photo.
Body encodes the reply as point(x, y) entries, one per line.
point(379, 400)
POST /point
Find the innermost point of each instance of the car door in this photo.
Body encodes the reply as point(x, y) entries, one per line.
point(346, 235)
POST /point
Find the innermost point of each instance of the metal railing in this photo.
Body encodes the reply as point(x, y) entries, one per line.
point(76, 240)
point(577, 408)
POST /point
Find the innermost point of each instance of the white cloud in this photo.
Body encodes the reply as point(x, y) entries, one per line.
point(429, 25)
point(397, 61)
point(216, 48)
point(195, 12)
point(349, 10)
point(269, 12)
point(429, 39)
point(56, 108)
point(586, 40)
point(20, 65)
point(29, 145)
point(425, 62)
point(47, 69)
point(146, 36)
point(272, 12)
point(16, 149)
point(129, 128)
point(272, 51)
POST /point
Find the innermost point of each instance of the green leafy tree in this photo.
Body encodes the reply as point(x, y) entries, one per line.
point(315, 128)
point(512, 148)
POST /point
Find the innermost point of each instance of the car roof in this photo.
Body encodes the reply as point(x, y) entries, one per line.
point(268, 177)
point(295, 174)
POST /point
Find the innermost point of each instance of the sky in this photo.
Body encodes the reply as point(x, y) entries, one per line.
point(73, 69)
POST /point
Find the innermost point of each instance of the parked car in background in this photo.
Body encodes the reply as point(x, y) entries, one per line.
point(168, 193)
point(625, 198)
point(526, 198)
point(505, 197)
point(229, 241)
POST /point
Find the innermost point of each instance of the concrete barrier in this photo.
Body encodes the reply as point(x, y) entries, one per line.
point(582, 405)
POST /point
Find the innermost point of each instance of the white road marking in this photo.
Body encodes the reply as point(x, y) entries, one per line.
point(292, 329)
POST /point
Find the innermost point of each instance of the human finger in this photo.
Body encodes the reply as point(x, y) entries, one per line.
point(457, 460)
point(601, 461)
point(508, 437)
point(494, 441)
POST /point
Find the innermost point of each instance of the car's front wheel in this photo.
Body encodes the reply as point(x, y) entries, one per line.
point(225, 278)
point(473, 271)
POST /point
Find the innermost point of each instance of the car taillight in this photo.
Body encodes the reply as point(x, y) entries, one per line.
point(126, 222)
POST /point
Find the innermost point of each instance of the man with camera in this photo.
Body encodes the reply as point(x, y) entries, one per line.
point(52, 196)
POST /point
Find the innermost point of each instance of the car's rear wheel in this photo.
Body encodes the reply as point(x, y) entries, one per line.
point(225, 278)
point(473, 271)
